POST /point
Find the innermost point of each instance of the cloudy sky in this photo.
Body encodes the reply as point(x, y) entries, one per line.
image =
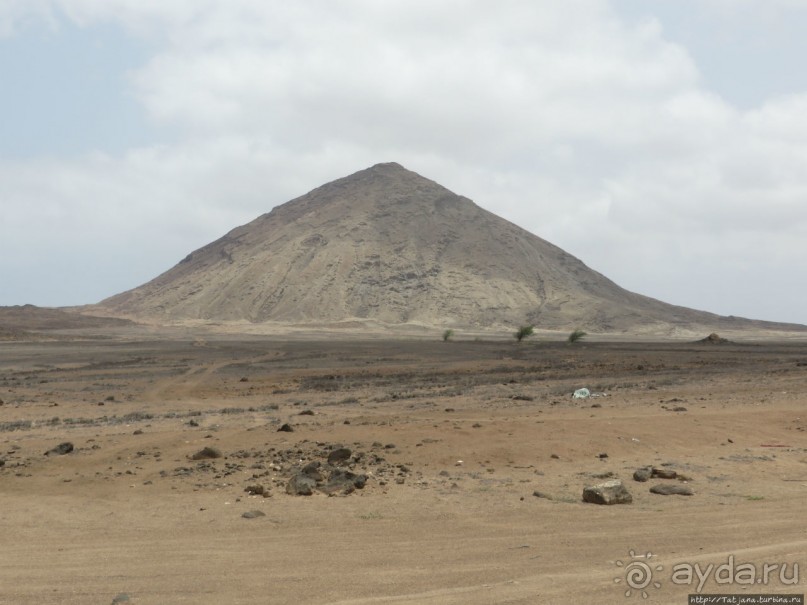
point(663, 142)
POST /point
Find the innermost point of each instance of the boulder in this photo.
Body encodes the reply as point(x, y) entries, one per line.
point(671, 489)
point(60, 450)
point(301, 484)
point(609, 492)
point(207, 453)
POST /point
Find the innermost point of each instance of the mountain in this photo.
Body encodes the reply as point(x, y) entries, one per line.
point(388, 245)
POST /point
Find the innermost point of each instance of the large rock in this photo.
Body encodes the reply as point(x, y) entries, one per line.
point(61, 449)
point(339, 455)
point(207, 453)
point(671, 489)
point(301, 484)
point(341, 480)
point(609, 492)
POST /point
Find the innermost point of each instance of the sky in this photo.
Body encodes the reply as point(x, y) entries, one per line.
point(662, 142)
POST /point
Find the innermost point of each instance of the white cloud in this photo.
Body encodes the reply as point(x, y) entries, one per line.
point(563, 117)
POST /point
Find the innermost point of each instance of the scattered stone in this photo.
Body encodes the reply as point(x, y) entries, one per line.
point(346, 421)
point(61, 449)
point(389, 446)
point(244, 379)
point(255, 490)
point(602, 456)
point(345, 481)
point(253, 514)
point(138, 432)
point(301, 485)
point(312, 470)
point(286, 428)
point(192, 423)
point(679, 408)
point(207, 453)
point(2, 462)
point(664, 473)
point(339, 455)
point(306, 413)
point(671, 489)
point(642, 474)
point(555, 457)
point(539, 494)
point(610, 492)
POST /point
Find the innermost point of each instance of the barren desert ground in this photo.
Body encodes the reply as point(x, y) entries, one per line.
point(435, 500)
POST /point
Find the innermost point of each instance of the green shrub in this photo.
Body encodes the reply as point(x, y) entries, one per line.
point(524, 332)
point(576, 335)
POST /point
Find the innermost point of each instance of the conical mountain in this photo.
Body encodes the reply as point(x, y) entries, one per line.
point(389, 245)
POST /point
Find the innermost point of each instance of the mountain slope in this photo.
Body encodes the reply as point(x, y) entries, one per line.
point(386, 244)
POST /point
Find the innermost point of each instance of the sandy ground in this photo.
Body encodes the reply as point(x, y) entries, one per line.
point(454, 439)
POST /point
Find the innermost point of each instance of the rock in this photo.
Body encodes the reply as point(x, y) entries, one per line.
point(664, 473)
point(610, 492)
point(602, 456)
point(255, 490)
point(539, 494)
point(301, 485)
point(286, 428)
point(120, 598)
point(253, 514)
point(342, 480)
point(581, 394)
point(671, 489)
point(312, 470)
point(61, 449)
point(207, 453)
point(339, 455)
point(2, 462)
point(306, 413)
point(642, 474)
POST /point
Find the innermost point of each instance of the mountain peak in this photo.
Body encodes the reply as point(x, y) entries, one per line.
point(388, 245)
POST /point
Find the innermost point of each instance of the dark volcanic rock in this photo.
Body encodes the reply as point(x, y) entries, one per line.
point(61, 449)
point(207, 453)
point(255, 490)
point(339, 455)
point(642, 474)
point(610, 492)
point(301, 485)
point(345, 481)
point(664, 473)
point(286, 428)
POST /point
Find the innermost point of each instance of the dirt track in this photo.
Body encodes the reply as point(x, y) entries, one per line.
point(455, 438)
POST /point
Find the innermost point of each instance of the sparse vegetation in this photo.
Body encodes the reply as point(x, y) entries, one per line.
point(524, 332)
point(447, 335)
point(576, 335)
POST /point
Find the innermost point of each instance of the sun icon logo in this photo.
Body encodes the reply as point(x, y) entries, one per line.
point(638, 574)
